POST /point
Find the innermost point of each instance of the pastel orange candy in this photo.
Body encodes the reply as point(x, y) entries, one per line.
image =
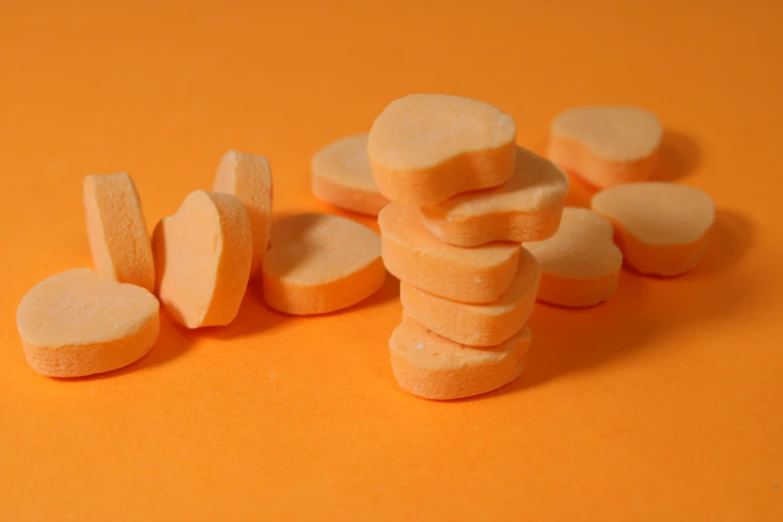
point(662, 228)
point(80, 322)
point(117, 232)
point(320, 263)
point(606, 145)
point(249, 178)
point(580, 264)
point(477, 325)
point(470, 275)
point(527, 208)
point(202, 257)
point(425, 148)
point(341, 176)
point(429, 366)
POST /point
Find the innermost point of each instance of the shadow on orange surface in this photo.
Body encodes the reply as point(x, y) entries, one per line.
point(572, 340)
point(580, 192)
point(388, 292)
point(253, 317)
point(680, 155)
point(722, 287)
point(173, 341)
point(732, 236)
point(567, 340)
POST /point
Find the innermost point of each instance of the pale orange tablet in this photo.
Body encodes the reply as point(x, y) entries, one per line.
point(580, 264)
point(319, 263)
point(117, 232)
point(470, 275)
point(527, 208)
point(433, 367)
point(202, 259)
point(249, 178)
point(341, 176)
point(80, 322)
point(606, 145)
point(425, 148)
point(472, 324)
point(662, 228)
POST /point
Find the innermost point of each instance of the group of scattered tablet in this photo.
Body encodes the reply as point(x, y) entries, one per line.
point(474, 226)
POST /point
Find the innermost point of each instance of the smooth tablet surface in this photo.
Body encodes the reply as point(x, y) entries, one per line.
point(606, 145)
point(527, 208)
point(202, 256)
point(249, 178)
point(117, 232)
point(432, 367)
point(663, 228)
point(341, 176)
point(80, 322)
point(471, 275)
point(320, 263)
point(425, 148)
point(472, 324)
point(580, 264)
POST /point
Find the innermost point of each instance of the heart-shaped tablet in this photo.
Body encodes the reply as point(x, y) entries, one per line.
point(470, 275)
point(341, 176)
point(477, 324)
point(580, 264)
point(79, 323)
point(433, 367)
point(117, 232)
point(606, 145)
point(527, 208)
point(663, 228)
point(249, 178)
point(202, 259)
point(425, 148)
point(321, 263)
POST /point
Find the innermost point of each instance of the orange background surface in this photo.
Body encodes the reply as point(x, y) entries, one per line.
point(664, 404)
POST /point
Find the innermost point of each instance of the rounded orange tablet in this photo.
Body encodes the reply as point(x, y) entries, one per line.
point(527, 208)
point(341, 176)
point(432, 367)
point(662, 228)
point(606, 145)
point(79, 322)
point(320, 263)
point(580, 264)
point(202, 259)
point(249, 178)
point(471, 275)
point(477, 325)
point(117, 232)
point(425, 148)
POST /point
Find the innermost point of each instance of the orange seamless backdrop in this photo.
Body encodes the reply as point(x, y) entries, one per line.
point(663, 404)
